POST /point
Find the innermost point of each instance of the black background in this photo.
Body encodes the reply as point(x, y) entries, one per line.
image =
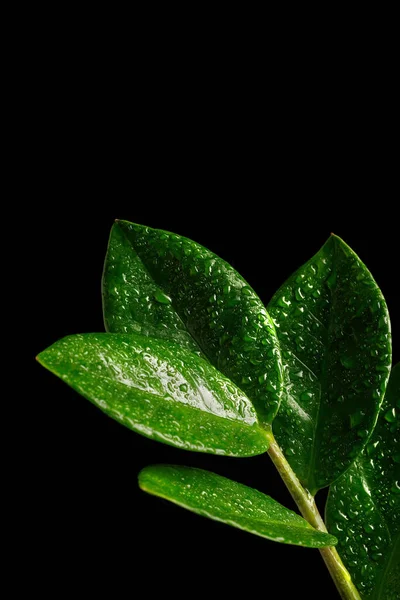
point(262, 183)
point(94, 521)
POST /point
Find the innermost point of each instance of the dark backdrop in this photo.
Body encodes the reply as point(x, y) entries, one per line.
point(260, 184)
point(96, 528)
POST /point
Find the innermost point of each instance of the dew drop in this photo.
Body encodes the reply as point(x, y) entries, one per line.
point(255, 360)
point(363, 433)
point(376, 556)
point(347, 361)
point(161, 297)
point(299, 294)
point(371, 448)
point(249, 338)
point(297, 374)
point(356, 418)
point(283, 302)
point(396, 487)
point(390, 415)
point(246, 290)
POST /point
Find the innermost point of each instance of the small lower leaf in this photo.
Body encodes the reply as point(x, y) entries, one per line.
point(221, 499)
point(159, 389)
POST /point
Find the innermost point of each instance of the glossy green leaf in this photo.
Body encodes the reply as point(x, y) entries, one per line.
point(334, 331)
point(163, 285)
point(364, 506)
point(221, 499)
point(159, 389)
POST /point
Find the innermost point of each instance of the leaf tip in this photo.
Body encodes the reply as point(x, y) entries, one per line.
point(44, 358)
point(143, 477)
point(39, 358)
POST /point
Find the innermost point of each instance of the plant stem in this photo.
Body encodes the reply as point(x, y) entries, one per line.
point(306, 503)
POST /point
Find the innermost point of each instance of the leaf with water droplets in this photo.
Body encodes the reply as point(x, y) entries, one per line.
point(159, 389)
point(334, 331)
point(163, 285)
point(223, 500)
point(363, 508)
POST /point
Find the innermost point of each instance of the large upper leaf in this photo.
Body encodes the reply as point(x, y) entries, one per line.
point(364, 506)
point(160, 390)
point(221, 499)
point(334, 330)
point(163, 285)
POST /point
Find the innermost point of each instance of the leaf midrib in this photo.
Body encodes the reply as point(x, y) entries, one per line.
point(231, 516)
point(177, 402)
point(154, 279)
point(322, 381)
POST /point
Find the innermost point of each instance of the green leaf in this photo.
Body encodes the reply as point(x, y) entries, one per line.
point(363, 507)
point(159, 389)
point(221, 499)
point(163, 285)
point(334, 330)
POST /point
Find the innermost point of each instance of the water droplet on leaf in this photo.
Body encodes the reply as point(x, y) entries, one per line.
point(161, 297)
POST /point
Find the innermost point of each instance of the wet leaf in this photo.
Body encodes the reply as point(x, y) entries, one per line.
point(334, 330)
point(159, 389)
point(163, 285)
point(221, 499)
point(363, 508)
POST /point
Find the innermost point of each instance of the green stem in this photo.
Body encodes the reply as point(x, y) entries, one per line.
point(306, 503)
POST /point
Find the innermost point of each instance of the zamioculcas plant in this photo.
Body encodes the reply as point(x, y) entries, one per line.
point(193, 358)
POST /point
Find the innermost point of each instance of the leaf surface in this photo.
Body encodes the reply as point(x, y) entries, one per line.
point(221, 499)
point(163, 285)
point(334, 331)
point(363, 507)
point(159, 389)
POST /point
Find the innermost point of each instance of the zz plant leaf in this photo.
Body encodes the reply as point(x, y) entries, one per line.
point(192, 358)
point(159, 389)
point(363, 507)
point(334, 331)
point(164, 285)
point(224, 500)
